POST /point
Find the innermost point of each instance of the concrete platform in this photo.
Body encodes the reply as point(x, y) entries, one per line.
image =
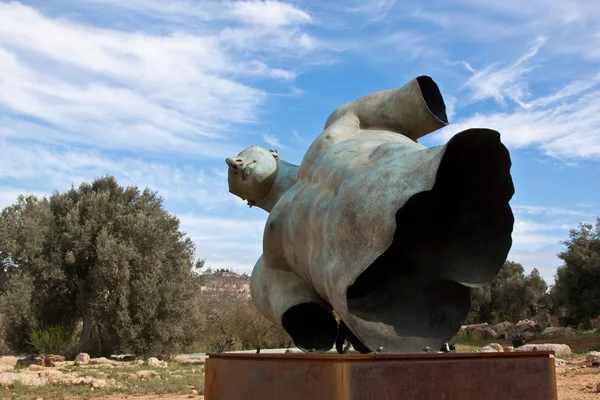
point(464, 376)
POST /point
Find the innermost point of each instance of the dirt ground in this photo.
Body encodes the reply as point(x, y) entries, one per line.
point(576, 383)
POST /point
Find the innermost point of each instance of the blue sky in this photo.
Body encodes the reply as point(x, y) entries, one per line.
point(159, 93)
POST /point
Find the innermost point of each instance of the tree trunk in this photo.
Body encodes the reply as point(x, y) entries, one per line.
point(89, 341)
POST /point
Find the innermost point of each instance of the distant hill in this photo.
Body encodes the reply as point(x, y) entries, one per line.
point(223, 280)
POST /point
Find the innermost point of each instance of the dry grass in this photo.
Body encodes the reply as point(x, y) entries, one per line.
point(173, 380)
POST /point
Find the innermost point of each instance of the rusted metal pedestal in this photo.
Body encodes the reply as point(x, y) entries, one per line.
point(464, 376)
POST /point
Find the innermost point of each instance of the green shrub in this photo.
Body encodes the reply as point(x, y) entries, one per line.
point(55, 340)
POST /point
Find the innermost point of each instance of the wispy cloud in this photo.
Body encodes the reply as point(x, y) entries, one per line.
point(272, 140)
point(499, 82)
point(567, 130)
point(225, 242)
point(538, 235)
point(175, 92)
point(562, 123)
point(553, 211)
point(373, 11)
point(58, 168)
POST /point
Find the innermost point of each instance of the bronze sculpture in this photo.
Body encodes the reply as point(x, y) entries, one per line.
point(387, 233)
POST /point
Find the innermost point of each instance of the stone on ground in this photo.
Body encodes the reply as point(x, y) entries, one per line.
point(492, 348)
point(560, 350)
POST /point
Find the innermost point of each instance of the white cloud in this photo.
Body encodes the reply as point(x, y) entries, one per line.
point(268, 13)
point(545, 261)
point(536, 243)
point(272, 140)
point(552, 12)
point(569, 130)
point(253, 12)
point(498, 82)
point(58, 168)
point(374, 11)
point(9, 195)
point(225, 242)
point(563, 123)
point(553, 211)
point(531, 235)
point(114, 89)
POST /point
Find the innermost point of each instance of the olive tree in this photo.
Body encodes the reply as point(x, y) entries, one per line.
point(106, 257)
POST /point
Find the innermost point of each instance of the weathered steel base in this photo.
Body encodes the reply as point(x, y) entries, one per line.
point(515, 375)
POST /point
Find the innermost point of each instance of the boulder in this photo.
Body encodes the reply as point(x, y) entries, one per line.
point(74, 380)
point(477, 334)
point(529, 336)
point(82, 358)
point(544, 320)
point(102, 361)
point(8, 361)
point(492, 348)
point(467, 330)
point(154, 362)
point(554, 332)
point(560, 350)
point(593, 358)
point(8, 379)
point(61, 364)
point(526, 325)
point(50, 360)
point(504, 329)
point(508, 349)
point(490, 334)
point(595, 323)
point(147, 374)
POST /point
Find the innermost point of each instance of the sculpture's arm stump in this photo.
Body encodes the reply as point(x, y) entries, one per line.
point(290, 303)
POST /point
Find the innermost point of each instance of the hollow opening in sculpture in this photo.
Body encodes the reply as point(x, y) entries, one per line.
point(448, 239)
point(433, 97)
point(311, 327)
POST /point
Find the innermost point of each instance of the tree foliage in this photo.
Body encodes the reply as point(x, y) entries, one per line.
point(577, 283)
point(511, 296)
point(106, 255)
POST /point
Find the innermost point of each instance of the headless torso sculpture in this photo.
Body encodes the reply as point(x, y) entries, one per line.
point(387, 233)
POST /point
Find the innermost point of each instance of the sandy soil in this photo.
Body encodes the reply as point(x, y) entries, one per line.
point(576, 383)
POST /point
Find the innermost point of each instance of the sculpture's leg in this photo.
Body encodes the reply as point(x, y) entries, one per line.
point(413, 110)
point(289, 302)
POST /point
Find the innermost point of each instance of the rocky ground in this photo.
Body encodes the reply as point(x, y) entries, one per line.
point(52, 378)
point(577, 380)
point(577, 374)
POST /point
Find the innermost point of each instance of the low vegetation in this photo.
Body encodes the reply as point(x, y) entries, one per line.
point(102, 380)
